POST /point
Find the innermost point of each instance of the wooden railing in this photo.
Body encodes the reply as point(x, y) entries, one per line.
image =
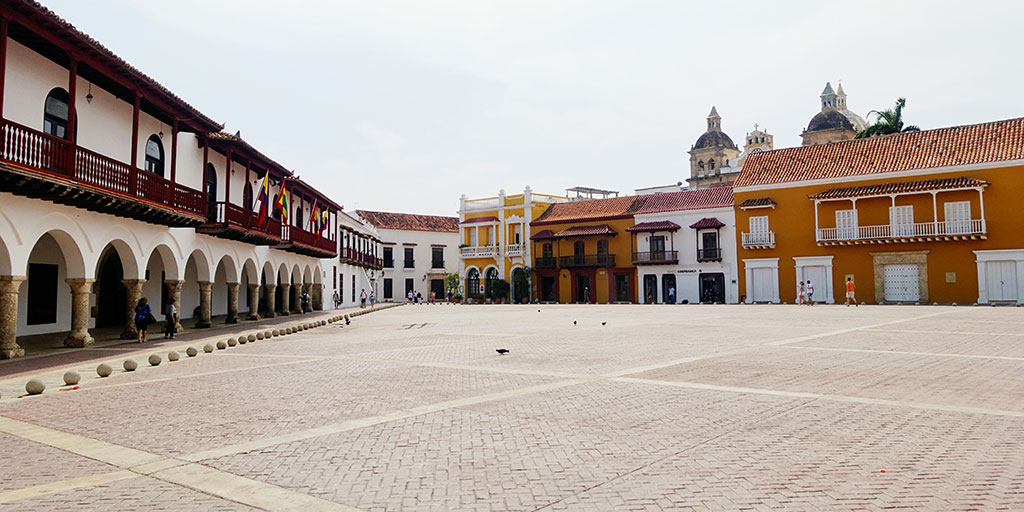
point(300, 236)
point(37, 150)
point(587, 260)
point(655, 257)
point(917, 229)
point(361, 258)
point(758, 239)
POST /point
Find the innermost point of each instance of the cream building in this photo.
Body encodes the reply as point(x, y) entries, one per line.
point(835, 122)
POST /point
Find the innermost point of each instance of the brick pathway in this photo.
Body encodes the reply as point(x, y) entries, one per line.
point(681, 408)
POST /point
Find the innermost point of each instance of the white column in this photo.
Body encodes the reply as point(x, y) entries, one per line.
point(981, 200)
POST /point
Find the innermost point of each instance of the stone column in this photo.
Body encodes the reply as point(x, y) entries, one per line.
point(271, 290)
point(134, 287)
point(9, 348)
point(232, 304)
point(254, 302)
point(318, 297)
point(286, 295)
point(205, 287)
point(81, 290)
point(174, 290)
point(296, 299)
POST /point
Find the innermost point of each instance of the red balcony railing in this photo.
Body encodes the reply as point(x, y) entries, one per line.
point(361, 258)
point(36, 150)
point(302, 237)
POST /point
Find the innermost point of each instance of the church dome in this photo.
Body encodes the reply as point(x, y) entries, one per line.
point(829, 120)
point(714, 139)
point(858, 122)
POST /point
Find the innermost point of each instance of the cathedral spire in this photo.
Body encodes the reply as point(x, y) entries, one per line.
point(714, 120)
point(828, 97)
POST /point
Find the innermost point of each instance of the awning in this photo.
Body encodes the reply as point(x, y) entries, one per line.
point(757, 202)
point(651, 227)
point(707, 223)
point(577, 231)
point(903, 187)
point(478, 220)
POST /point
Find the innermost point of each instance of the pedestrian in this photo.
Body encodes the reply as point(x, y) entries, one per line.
point(143, 317)
point(650, 298)
point(419, 297)
point(362, 299)
point(431, 296)
point(802, 292)
point(373, 298)
point(305, 301)
point(586, 294)
point(849, 292)
point(810, 293)
point(671, 294)
point(337, 299)
point(449, 295)
point(172, 320)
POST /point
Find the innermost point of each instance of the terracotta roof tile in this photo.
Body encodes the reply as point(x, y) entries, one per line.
point(410, 221)
point(627, 206)
point(901, 187)
point(478, 220)
point(993, 141)
point(589, 209)
point(707, 222)
point(756, 202)
point(713, 197)
point(574, 231)
point(547, 234)
point(651, 227)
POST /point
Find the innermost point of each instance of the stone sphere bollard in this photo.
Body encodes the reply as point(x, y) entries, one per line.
point(275, 332)
point(173, 356)
point(35, 386)
point(130, 365)
point(266, 334)
point(260, 335)
point(191, 351)
point(71, 377)
point(104, 370)
point(221, 345)
point(155, 360)
point(208, 348)
point(251, 337)
point(231, 342)
point(287, 330)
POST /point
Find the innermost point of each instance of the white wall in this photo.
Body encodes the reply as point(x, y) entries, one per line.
point(422, 255)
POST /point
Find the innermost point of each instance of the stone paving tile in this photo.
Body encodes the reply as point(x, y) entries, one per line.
point(964, 344)
point(830, 456)
point(979, 323)
point(141, 493)
point(27, 464)
point(192, 414)
point(983, 383)
point(229, 360)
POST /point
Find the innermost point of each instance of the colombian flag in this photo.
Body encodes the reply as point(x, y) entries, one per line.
point(314, 218)
point(264, 198)
point(283, 204)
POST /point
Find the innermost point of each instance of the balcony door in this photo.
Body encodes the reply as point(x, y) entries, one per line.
point(958, 217)
point(759, 230)
point(901, 220)
point(709, 245)
point(657, 244)
point(846, 224)
point(578, 253)
point(211, 184)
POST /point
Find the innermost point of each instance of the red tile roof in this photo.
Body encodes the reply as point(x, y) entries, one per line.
point(410, 221)
point(994, 141)
point(627, 206)
point(574, 231)
point(756, 202)
point(707, 222)
point(478, 220)
point(547, 234)
point(651, 227)
point(902, 187)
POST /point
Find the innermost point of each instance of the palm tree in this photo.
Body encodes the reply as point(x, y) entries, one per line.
point(889, 121)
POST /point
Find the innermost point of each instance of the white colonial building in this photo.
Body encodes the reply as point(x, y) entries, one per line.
point(359, 266)
point(417, 252)
point(113, 189)
point(686, 242)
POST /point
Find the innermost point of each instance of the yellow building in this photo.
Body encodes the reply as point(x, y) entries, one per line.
point(495, 244)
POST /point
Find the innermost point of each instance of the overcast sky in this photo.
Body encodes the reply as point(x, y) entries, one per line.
point(403, 106)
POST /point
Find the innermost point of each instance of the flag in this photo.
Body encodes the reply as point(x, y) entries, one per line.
point(324, 218)
point(282, 205)
point(264, 198)
point(314, 218)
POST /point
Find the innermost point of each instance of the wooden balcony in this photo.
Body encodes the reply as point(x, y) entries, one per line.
point(298, 240)
point(362, 259)
point(973, 229)
point(705, 254)
point(227, 220)
point(39, 165)
point(656, 258)
point(759, 240)
point(587, 260)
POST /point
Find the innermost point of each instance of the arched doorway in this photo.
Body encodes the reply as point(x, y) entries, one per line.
point(520, 285)
point(490, 276)
point(111, 295)
point(472, 283)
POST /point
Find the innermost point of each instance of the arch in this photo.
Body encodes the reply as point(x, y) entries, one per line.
point(282, 273)
point(307, 275)
point(70, 251)
point(249, 270)
point(167, 259)
point(317, 276)
point(210, 183)
point(230, 268)
point(518, 292)
point(202, 264)
point(472, 282)
point(154, 156)
point(5, 259)
point(267, 274)
point(296, 274)
point(111, 294)
point(125, 252)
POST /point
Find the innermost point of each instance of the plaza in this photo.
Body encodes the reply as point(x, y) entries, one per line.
point(606, 407)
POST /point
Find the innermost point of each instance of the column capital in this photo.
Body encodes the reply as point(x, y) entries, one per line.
point(79, 285)
point(204, 285)
point(254, 287)
point(10, 284)
point(233, 285)
point(133, 282)
point(271, 286)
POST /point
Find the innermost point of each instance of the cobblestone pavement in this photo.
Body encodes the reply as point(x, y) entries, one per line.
point(595, 408)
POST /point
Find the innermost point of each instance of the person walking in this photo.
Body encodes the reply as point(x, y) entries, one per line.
point(304, 299)
point(362, 299)
point(172, 320)
point(802, 292)
point(431, 296)
point(143, 317)
point(337, 299)
point(586, 294)
point(810, 293)
point(850, 295)
point(671, 294)
point(373, 298)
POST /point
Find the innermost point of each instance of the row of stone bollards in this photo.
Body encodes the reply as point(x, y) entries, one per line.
point(71, 377)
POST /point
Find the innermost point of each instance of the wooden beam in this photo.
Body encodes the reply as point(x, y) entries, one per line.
point(174, 152)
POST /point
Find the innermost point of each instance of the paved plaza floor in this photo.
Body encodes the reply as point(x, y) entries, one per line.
point(622, 407)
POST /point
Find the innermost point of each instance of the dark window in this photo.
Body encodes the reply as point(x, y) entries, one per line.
point(298, 216)
point(490, 277)
point(155, 156)
point(211, 183)
point(408, 285)
point(353, 288)
point(42, 294)
point(247, 197)
point(389, 257)
point(274, 212)
point(437, 257)
point(547, 251)
point(409, 262)
point(602, 246)
point(472, 283)
point(578, 252)
point(657, 244)
point(388, 291)
point(55, 113)
point(709, 239)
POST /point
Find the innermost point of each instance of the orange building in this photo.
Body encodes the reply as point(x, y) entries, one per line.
point(930, 216)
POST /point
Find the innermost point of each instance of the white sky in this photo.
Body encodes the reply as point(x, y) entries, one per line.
point(403, 106)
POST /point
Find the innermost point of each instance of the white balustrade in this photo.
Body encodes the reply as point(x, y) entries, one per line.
point(917, 229)
point(766, 238)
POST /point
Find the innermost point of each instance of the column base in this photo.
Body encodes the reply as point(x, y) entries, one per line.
point(203, 324)
point(268, 314)
point(231, 320)
point(11, 353)
point(253, 316)
point(130, 333)
point(285, 313)
point(79, 340)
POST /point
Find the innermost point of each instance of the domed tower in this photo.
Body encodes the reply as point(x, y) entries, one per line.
point(835, 122)
point(711, 153)
point(757, 141)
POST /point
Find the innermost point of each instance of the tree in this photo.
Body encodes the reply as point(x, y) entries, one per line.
point(521, 282)
point(888, 121)
point(451, 282)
